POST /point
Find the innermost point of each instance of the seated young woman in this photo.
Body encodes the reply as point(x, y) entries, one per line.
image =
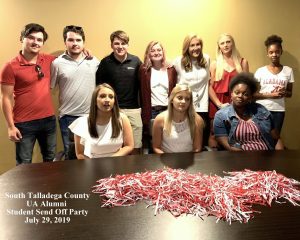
point(244, 124)
point(105, 131)
point(179, 128)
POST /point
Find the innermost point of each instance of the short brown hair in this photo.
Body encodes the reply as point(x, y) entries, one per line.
point(75, 29)
point(121, 35)
point(33, 27)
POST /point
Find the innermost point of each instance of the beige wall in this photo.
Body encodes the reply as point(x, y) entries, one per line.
point(168, 21)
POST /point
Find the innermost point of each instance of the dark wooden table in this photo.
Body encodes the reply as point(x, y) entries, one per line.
point(136, 222)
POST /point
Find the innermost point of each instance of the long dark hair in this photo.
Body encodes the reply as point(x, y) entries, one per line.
point(115, 116)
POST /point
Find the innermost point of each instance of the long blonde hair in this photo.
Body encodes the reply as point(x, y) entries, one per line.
point(190, 111)
point(147, 60)
point(235, 55)
point(186, 61)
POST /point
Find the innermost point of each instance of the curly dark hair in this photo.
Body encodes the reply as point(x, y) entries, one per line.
point(244, 78)
point(273, 39)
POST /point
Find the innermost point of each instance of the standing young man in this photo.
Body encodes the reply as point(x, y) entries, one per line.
point(74, 74)
point(120, 70)
point(26, 97)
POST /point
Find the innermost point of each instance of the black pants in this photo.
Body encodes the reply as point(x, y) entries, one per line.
point(206, 129)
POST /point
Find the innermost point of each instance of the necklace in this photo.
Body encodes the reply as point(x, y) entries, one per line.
point(180, 126)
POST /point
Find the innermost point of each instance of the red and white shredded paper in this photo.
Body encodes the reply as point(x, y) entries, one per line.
point(229, 198)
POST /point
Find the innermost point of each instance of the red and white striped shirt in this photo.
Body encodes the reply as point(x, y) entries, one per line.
point(248, 134)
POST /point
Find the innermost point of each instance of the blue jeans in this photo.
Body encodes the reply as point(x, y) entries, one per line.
point(154, 113)
point(278, 118)
point(44, 131)
point(64, 123)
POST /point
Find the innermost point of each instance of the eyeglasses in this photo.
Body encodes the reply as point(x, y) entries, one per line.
point(72, 27)
point(38, 69)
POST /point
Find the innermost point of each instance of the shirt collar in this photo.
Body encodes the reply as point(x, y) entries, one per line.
point(23, 61)
point(128, 58)
point(68, 57)
point(250, 109)
point(231, 112)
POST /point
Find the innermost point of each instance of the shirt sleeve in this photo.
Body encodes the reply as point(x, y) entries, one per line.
point(101, 73)
point(176, 64)
point(7, 75)
point(220, 124)
point(291, 80)
point(80, 127)
point(207, 58)
point(257, 75)
point(54, 74)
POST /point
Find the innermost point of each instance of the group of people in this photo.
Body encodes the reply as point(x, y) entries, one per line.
point(115, 106)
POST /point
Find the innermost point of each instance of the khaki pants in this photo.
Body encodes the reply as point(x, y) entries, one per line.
point(134, 116)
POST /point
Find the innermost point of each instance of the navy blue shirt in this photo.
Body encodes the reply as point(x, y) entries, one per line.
point(123, 77)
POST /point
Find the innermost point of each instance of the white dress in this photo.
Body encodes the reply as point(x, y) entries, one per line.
point(104, 145)
point(180, 139)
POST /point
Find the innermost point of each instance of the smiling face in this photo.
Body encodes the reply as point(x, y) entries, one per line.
point(156, 53)
point(225, 44)
point(105, 99)
point(74, 44)
point(32, 43)
point(241, 95)
point(195, 48)
point(274, 53)
point(119, 48)
point(181, 101)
